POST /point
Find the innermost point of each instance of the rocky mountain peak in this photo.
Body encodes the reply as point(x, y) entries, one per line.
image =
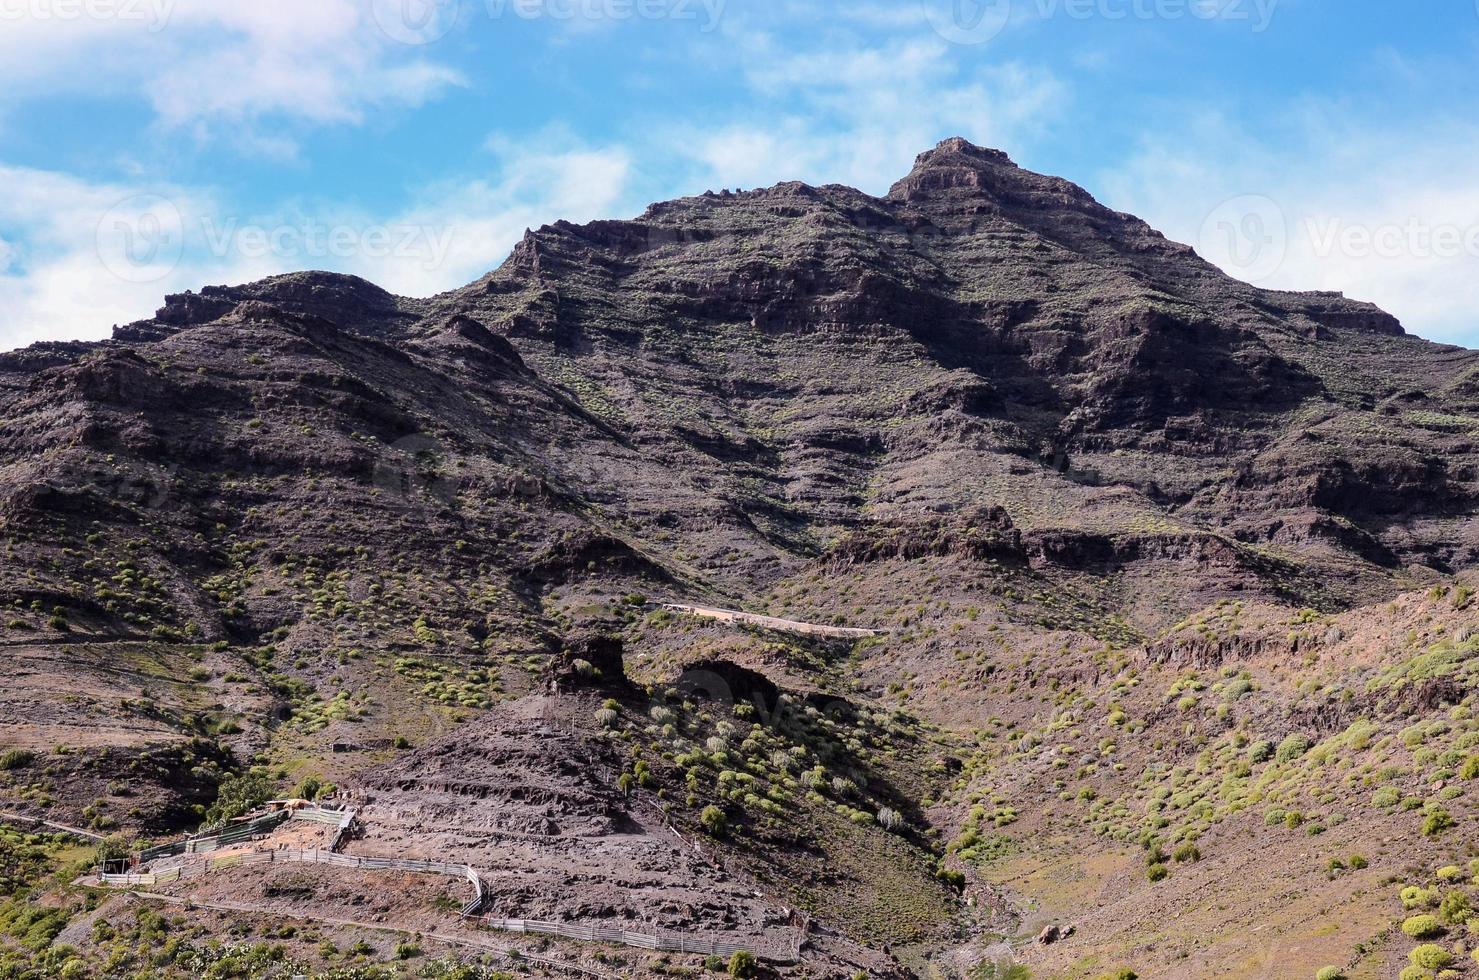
point(955, 163)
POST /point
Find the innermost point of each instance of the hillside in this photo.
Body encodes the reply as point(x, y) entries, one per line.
point(1171, 578)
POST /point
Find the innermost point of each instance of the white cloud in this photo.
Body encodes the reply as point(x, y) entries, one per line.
point(541, 180)
point(78, 257)
point(1379, 214)
point(219, 68)
point(859, 114)
point(57, 284)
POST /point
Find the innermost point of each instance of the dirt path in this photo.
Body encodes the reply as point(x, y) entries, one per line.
point(64, 828)
point(769, 622)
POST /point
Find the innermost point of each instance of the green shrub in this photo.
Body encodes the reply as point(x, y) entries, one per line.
point(1330, 973)
point(16, 759)
point(1436, 821)
point(1292, 748)
point(1470, 768)
point(1157, 872)
point(715, 821)
point(1414, 896)
point(742, 964)
point(1386, 797)
point(1430, 956)
point(237, 795)
point(1422, 926)
point(1455, 908)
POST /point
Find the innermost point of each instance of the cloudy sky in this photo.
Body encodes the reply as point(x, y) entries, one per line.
point(152, 146)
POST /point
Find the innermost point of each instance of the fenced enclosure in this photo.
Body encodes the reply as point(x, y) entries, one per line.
point(343, 821)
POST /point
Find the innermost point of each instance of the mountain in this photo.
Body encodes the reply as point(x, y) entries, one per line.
point(1170, 578)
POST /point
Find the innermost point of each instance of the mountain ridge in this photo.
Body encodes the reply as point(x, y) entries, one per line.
point(1109, 518)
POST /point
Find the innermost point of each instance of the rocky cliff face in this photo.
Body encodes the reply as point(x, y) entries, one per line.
point(981, 398)
point(796, 352)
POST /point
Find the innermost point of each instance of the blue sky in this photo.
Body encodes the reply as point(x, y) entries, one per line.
point(150, 146)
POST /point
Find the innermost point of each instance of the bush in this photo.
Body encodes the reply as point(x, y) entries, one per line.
point(1430, 956)
point(1330, 973)
point(1422, 926)
point(1187, 852)
point(237, 795)
point(714, 820)
point(1414, 896)
point(1436, 821)
point(1292, 748)
point(1455, 908)
point(1386, 797)
point(1358, 863)
point(1157, 872)
point(954, 879)
point(742, 964)
point(1470, 768)
point(16, 759)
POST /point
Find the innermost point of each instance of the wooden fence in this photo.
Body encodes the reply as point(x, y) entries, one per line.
point(205, 843)
point(248, 829)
